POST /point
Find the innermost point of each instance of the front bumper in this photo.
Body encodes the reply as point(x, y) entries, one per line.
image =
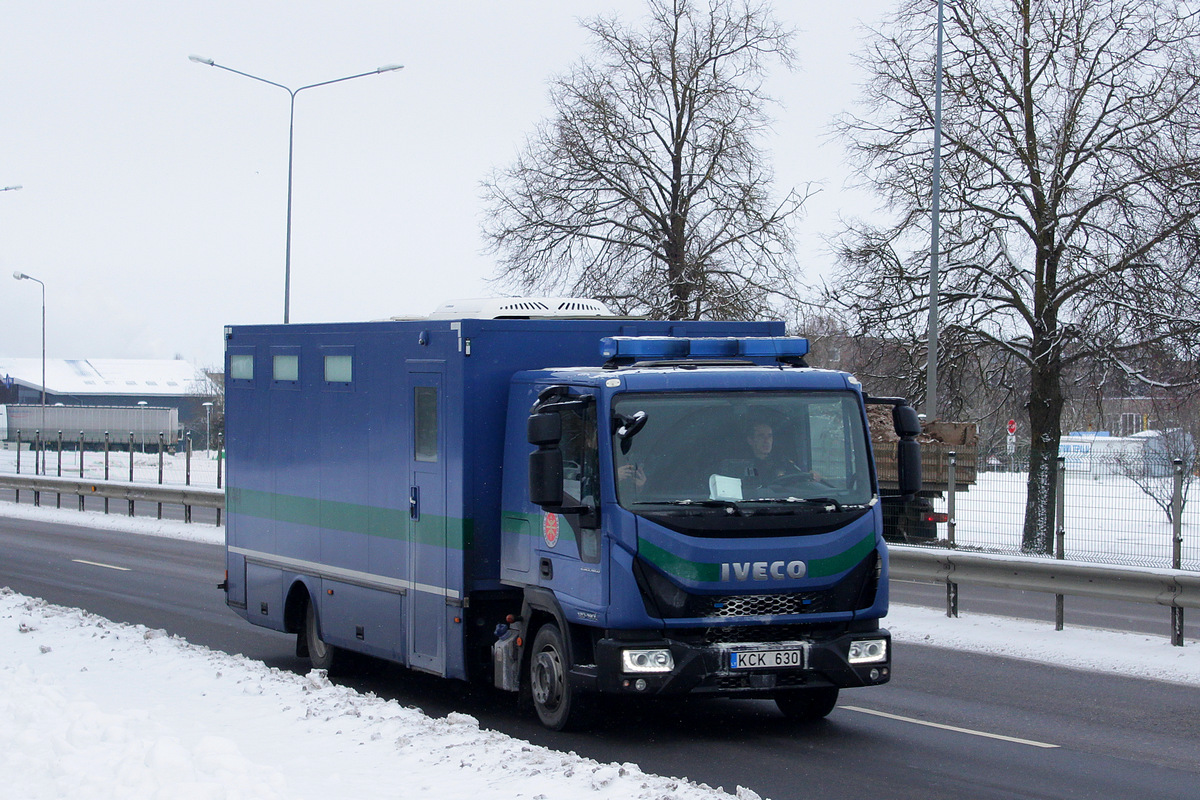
point(706, 668)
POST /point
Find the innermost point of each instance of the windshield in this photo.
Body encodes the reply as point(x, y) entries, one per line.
point(740, 449)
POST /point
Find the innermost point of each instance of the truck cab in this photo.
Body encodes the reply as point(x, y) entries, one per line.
point(694, 517)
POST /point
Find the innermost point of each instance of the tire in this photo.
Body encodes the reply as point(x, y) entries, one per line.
point(558, 706)
point(323, 656)
point(807, 705)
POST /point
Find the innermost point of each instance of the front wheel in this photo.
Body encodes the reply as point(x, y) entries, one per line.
point(559, 707)
point(807, 705)
point(322, 655)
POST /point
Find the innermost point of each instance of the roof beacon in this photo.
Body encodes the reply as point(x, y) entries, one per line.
point(671, 347)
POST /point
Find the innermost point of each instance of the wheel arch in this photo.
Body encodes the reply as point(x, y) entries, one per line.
point(299, 595)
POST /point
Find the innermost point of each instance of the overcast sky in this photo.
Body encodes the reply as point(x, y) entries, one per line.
point(154, 188)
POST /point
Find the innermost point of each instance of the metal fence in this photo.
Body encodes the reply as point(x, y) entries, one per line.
point(103, 455)
point(1115, 509)
point(1111, 510)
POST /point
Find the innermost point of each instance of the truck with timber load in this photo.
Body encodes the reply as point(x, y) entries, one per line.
point(565, 504)
point(912, 518)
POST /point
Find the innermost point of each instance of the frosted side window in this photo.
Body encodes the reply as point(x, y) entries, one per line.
point(339, 369)
point(241, 368)
point(287, 368)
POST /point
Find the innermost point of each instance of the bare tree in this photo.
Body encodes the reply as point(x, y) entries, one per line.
point(646, 188)
point(1152, 469)
point(1071, 184)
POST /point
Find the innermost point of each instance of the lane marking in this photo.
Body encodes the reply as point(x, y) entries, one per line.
point(984, 734)
point(98, 564)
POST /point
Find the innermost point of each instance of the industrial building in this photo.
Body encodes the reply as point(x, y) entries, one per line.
point(108, 382)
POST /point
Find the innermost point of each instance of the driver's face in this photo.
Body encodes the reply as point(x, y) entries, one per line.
point(761, 439)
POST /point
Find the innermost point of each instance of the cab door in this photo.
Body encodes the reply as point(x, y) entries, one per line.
point(569, 550)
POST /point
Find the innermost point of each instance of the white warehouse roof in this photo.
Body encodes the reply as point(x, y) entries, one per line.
point(108, 376)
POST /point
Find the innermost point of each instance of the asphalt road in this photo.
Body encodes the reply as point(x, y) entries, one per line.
point(950, 724)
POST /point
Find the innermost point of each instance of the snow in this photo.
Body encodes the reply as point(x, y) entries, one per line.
point(93, 708)
point(109, 376)
point(96, 709)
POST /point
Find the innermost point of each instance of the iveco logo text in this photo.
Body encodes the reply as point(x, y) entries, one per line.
point(762, 570)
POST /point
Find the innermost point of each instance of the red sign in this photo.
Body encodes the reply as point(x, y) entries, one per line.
point(1012, 426)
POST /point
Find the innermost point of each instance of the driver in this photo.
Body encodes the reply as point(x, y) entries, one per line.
point(767, 463)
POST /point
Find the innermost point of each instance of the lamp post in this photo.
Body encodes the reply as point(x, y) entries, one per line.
point(142, 422)
point(21, 276)
point(287, 266)
point(931, 367)
point(208, 429)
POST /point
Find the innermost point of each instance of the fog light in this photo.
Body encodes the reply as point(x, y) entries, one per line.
point(647, 660)
point(868, 651)
point(640, 684)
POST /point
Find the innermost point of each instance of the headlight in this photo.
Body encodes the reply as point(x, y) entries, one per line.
point(868, 651)
point(647, 660)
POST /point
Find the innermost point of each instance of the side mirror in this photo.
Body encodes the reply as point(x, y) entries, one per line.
point(908, 449)
point(908, 466)
point(905, 421)
point(544, 428)
point(546, 475)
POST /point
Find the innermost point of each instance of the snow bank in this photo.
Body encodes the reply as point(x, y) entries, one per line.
point(1096, 650)
point(92, 708)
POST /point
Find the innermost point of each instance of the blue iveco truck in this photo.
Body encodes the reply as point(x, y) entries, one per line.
point(562, 503)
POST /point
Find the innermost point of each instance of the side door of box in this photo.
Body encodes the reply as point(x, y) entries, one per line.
point(428, 613)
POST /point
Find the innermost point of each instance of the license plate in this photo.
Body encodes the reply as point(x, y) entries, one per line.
point(766, 659)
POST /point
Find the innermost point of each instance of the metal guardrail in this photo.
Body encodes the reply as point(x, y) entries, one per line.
point(1164, 587)
point(1172, 588)
point(186, 496)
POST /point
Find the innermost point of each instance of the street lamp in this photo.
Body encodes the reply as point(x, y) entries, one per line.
point(935, 244)
point(142, 422)
point(287, 267)
point(21, 276)
point(208, 429)
point(10, 188)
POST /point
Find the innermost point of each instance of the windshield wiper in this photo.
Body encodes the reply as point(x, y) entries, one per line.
point(829, 503)
point(730, 506)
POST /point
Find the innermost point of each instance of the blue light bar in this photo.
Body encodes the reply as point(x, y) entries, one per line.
point(643, 347)
point(712, 347)
point(652, 347)
point(773, 346)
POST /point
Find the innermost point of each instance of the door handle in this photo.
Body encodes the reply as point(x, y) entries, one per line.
point(414, 503)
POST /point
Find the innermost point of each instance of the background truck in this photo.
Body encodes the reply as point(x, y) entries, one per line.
point(913, 518)
point(563, 507)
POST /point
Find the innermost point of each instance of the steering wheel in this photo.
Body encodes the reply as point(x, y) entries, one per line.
point(787, 477)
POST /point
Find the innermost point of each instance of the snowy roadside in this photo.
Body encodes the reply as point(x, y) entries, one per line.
point(92, 708)
point(96, 709)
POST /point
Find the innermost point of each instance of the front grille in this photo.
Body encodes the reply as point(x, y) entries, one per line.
point(781, 680)
point(757, 605)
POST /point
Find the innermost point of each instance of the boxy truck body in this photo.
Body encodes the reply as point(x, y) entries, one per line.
point(379, 500)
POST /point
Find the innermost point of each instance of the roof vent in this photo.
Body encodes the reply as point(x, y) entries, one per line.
point(521, 308)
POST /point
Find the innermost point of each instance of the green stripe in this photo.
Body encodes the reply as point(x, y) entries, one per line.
point(386, 523)
point(679, 567)
point(823, 567)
